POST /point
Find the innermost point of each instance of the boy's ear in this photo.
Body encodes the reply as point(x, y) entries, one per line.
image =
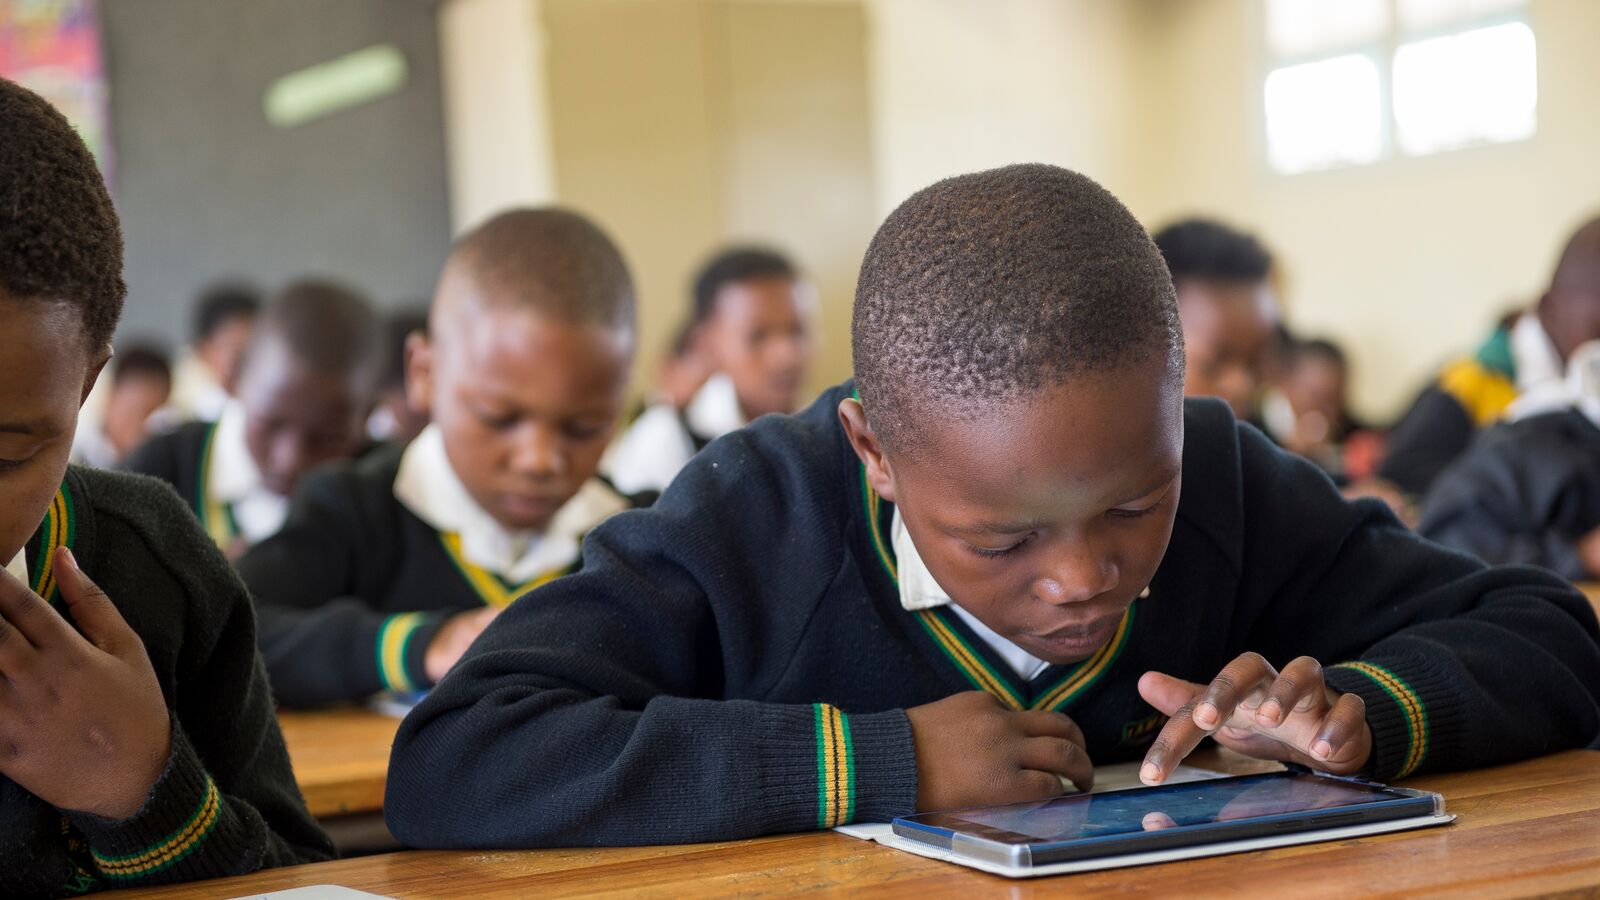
point(868, 449)
point(95, 368)
point(419, 373)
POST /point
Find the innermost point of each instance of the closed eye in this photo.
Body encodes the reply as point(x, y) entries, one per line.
point(991, 553)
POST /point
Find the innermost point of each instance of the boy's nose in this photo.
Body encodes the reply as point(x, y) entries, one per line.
point(1078, 572)
point(538, 453)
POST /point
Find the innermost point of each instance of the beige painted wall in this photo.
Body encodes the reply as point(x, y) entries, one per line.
point(683, 124)
point(1406, 261)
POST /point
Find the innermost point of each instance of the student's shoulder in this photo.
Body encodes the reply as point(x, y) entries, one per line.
point(1537, 441)
point(177, 446)
point(144, 547)
point(364, 483)
point(796, 453)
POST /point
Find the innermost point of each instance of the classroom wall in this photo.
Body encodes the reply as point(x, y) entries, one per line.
point(1406, 261)
point(685, 124)
point(207, 188)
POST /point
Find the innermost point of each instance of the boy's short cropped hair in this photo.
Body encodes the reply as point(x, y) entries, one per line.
point(550, 260)
point(1208, 249)
point(222, 303)
point(733, 265)
point(949, 318)
point(59, 237)
point(324, 325)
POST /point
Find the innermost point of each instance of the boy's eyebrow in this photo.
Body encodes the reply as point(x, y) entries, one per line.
point(1018, 526)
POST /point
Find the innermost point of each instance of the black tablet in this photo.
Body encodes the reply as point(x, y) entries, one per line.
point(1138, 820)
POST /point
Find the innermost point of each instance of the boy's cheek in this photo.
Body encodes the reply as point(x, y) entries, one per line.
point(25, 495)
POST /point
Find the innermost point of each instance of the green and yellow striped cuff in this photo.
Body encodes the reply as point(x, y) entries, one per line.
point(1412, 709)
point(175, 847)
point(394, 642)
point(836, 768)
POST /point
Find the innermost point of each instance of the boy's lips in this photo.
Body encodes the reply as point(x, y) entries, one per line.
point(529, 505)
point(1082, 637)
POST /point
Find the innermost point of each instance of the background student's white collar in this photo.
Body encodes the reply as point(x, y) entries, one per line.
point(1579, 390)
point(233, 478)
point(1533, 353)
point(427, 485)
point(714, 411)
point(919, 590)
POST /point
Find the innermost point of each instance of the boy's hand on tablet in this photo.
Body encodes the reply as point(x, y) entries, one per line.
point(453, 638)
point(973, 750)
point(83, 723)
point(1256, 710)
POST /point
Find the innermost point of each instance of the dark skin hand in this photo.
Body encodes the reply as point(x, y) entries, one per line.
point(973, 750)
point(1256, 710)
point(83, 723)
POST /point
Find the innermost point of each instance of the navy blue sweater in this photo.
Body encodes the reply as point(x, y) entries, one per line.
point(735, 661)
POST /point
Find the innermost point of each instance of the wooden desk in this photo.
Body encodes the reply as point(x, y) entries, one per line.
point(1530, 828)
point(341, 758)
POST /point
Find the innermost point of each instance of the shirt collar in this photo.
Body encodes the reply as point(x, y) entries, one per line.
point(18, 567)
point(714, 410)
point(232, 474)
point(919, 590)
point(1579, 389)
point(1534, 354)
point(427, 485)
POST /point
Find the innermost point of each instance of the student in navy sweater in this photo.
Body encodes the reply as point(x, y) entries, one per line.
point(139, 743)
point(390, 565)
point(970, 573)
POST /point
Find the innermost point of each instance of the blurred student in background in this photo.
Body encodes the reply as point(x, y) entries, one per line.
point(304, 394)
point(1528, 491)
point(753, 323)
point(393, 419)
point(207, 373)
point(1523, 353)
point(140, 383)
point(1229, 310)
point(1306, 410)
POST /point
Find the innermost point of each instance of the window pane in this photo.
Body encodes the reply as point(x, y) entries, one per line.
point(1309, 27)
point(1416, 15)
point(1479, 85)
point(1323, 114)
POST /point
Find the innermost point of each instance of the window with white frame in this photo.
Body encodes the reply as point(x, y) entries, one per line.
point(1354, 81)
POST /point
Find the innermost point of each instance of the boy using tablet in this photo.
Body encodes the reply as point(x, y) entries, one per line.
point(390, 565)
point(140, 743)
point(970, 573)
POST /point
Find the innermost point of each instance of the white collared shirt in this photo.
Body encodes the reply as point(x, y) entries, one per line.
point(656, 448)
point(919, 590)
point(1534, 354)
point(232, 478)
point(428, 486)
point(18, 567)
point(1579, 389)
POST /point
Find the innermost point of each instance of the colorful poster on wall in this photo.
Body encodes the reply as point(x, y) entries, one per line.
point(53, 48)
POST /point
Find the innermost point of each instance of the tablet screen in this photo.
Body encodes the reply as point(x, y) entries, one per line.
point(1153, 809)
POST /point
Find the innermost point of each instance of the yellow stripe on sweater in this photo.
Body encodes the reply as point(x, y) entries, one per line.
point(1410, 704)
point(1086, 674)
point(490, 589)
point(174, 848)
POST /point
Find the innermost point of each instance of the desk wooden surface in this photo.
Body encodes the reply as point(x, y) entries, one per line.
point(1591, 589)
point(341, 758)
point(1528, 829)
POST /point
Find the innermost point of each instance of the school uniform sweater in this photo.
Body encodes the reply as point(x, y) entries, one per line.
point(736, 660)
point(1470, 394)
point(227, 802)
point(355, 586)
point(1525, 493)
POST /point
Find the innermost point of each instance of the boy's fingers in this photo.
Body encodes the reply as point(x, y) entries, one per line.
point(1060, 756)
point(1298, 687)
point(1166, 693)
point(28, 620)
point(1175, 741)
point(1343, 722)
point(96, 616)
point(1041, 723)
point(1236, 682)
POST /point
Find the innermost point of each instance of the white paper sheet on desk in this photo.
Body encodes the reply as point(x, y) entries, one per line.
point(316, 892)
point(1115, 777)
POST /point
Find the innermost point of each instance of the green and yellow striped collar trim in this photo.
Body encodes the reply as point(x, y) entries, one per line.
point(942, 626)
point(491, 588)
point(216, 516)
point(1411, 706)
point(58, 529)
point(167, 853)
point(836, 771)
